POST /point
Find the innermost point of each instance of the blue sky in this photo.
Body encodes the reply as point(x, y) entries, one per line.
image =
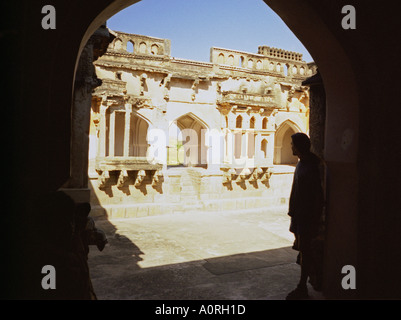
point(194, 26)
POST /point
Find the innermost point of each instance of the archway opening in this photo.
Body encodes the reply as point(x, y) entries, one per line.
point(278, 70)
point(242, 184)
point(138, 137)
point(187, 142)
point(130, 47)
point(282, 150)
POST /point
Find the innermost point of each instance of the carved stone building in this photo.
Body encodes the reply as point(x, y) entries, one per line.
point(172, 135)
point(361, 142)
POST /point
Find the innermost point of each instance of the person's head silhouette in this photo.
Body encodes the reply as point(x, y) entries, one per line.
point(300, 144)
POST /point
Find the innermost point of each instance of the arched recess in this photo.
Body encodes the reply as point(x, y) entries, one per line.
point(138, 135)
point(117, 143)
point(282, 143)
point(320, 36)
point(187, 143)
point(238, 122)
point(220, 59)
point(263, 148)
point(118, 44)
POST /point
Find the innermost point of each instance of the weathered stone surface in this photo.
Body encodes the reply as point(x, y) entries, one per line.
point(244, 255)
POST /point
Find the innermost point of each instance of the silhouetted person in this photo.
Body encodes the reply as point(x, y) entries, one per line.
point(305, 209)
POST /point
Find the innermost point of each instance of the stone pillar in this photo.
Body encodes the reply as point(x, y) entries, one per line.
point(85, 81)
point(250, 140)
point(229, 145)
point(270, 149)
point(102, 131)
point(258, 149)
point(112, 125)
point(128, 110)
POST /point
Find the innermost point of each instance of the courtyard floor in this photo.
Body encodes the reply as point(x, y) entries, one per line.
point(197, 256)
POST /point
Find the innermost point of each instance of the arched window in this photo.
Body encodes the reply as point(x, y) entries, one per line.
point(264, 123)
point(187, 142)
point(230, 60)
point(250, 63)
point(271, 66)
point(278, 67)
point(302, 70)
point(138, 144)
point(286, 69)
point(130, 46)
point(142, 47)
point(238, 122)
point(259, 64)
point(252, 123)
point(263, 147)
point(220, 59)
point(154, 49)
point(241, 61)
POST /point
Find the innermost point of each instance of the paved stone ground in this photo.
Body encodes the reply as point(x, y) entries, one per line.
point(205, 255)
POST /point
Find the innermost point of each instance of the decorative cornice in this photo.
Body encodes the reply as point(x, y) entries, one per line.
point(240, 52)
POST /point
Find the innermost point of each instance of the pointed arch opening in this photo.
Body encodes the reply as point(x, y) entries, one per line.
point(187, 142)
point(282, 144)
point(138, 145)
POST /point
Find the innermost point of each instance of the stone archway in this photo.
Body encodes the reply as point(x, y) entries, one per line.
point(362, 190)
point(138, 136)
point(342, 126)
point(187, 141)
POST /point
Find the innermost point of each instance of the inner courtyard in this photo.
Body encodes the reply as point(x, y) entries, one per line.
point(175, 135)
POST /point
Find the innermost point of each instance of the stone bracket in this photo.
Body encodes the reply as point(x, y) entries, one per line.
point(103, 179)
point(157, 178)
point(139, 178)
point(194, 89)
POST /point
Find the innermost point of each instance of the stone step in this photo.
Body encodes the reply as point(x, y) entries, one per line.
point(187, 205)
point(242, 203)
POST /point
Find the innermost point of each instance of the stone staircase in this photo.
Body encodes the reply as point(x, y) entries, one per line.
point(190, 192)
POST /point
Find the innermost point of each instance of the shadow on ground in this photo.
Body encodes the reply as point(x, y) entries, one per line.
point(172, 272)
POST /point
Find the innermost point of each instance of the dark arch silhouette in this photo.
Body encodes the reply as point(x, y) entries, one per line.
point(363, 203)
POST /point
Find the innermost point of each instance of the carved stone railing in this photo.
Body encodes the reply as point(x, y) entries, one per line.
point(124, 168)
